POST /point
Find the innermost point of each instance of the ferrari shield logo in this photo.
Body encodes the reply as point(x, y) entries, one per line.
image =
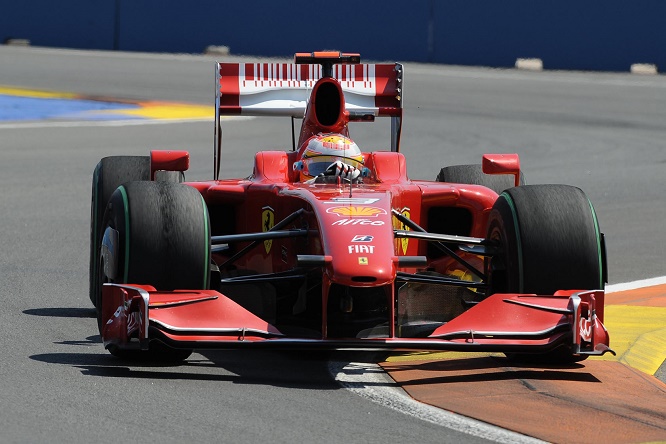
point(404, 242)
point(267, 222)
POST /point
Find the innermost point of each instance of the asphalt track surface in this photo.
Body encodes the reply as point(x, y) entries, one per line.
point(602, 132)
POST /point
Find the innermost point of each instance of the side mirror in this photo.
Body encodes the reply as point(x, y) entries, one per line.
point(168, 161)
point(502, 164)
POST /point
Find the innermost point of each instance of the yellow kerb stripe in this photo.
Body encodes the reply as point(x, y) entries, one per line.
point(22, 92)
point(168, 111)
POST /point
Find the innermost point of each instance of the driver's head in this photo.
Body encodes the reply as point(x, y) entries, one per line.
point(322, 150)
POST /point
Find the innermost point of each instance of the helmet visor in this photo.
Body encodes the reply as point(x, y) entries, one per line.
point(316, 165)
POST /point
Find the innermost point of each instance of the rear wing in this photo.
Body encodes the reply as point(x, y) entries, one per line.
point(283, 89)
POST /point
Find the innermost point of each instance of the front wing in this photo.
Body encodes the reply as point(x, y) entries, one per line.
point(133, 315)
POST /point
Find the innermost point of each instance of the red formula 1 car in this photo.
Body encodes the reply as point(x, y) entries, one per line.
point(327, 247)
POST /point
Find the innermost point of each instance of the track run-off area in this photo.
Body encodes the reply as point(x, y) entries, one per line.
point(56, 132)
point(49, 108)
point(630, 408)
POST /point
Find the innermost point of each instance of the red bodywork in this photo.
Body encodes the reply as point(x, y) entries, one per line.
point(352, 257)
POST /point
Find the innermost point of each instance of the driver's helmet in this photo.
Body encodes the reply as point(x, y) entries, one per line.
point(324, 149)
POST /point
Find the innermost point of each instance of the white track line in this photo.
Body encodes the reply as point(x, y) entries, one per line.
point(93, 123)
point(576, 77)
point(636, 284)
point(108, 123)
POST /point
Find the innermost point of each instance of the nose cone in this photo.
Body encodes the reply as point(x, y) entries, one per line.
point(359, 238)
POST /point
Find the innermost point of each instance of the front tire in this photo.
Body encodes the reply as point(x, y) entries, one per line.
point(550, 239)
point(163, 241)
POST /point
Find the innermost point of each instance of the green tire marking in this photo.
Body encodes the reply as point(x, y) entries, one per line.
point(93, 237)
point(519, 245)
point(208, 246)
point(598, 239)
point(123, 193)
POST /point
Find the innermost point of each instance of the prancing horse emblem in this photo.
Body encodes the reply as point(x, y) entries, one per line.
point(267, 222)
point(404, 242)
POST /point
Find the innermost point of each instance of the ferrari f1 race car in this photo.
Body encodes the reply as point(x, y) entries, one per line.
point(323, 246)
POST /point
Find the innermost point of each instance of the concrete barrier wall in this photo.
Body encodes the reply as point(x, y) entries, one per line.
point(568, 34)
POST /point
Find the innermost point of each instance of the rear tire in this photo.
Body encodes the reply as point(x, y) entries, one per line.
point(164, 241)
point(109, 174)
point(550, 240)
point(474, 175)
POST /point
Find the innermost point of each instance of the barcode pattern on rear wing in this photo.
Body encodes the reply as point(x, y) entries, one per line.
point(283, 88)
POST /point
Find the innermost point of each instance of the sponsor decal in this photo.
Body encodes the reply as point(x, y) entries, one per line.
point(267, 222)
point(585, 329)
point(362, 238)
point(374, 223)
point(351, 200)
point(404, 242)
point(363, 261)
point(356, 211)
point(367, 249)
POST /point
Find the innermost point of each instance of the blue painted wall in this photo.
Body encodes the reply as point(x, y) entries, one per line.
point(568, 34)
point(83, 24)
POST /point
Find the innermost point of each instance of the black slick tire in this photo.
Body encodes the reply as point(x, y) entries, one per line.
point(109, 174)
